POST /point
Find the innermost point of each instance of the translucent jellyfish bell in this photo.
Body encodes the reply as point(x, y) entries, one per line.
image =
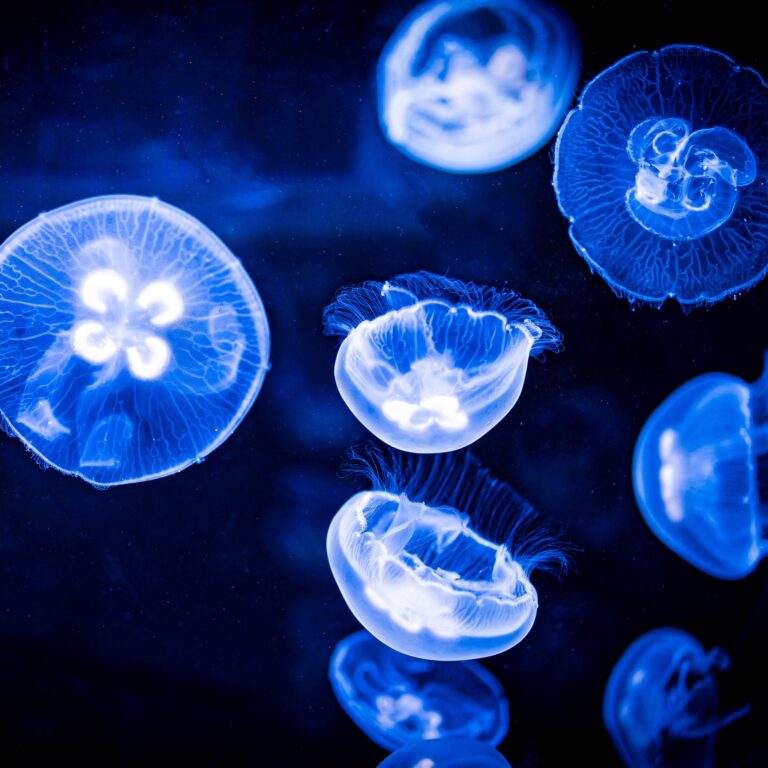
point(446, 753)
point(658, 171)
point(701, 473)
point(435, 559)
point(430, 364)
point(397, 699)
point(472, 86)
point(661, 704)
point(132, 341)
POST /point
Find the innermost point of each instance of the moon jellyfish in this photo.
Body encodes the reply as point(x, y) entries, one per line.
point(446, 753)
point(132, 341)
point(435, 559)
point(429, 364)
point(658, 171)
point(661, 703)
point(472, 86)
point(701, 473)
point(397, 699)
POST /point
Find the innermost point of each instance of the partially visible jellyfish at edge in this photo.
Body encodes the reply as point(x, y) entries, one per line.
point(132, 341)
point(435, 559)
point(472, 86)
point(398, 700)
point(661, 703)
point(658, 170)
point(700, 473)
point(446, 753)
point(429, 364)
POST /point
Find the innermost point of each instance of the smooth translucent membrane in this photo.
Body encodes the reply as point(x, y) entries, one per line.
point(446, 753)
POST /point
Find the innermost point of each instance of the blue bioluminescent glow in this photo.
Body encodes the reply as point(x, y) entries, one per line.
point(434, 560)
point(429, 364)
point(132, 341)
point(446, 753)
point(472, 86)
point(397, 700)
point(657, 172)
point(661, 704)
point(700, 473)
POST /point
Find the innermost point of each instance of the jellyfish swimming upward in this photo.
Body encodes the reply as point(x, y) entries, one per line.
point(701, 473)
point(658, 170)
point(398, 700)
point(661, 704)
point(435, 559)
point(446, 753)
point(132, 341)
point(476, 85)
point(429, 364)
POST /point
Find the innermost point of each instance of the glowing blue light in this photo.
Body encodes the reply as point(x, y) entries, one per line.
point(657, 171)
point(435, 559)
point(472, 86)
point(700, 473)
point(661, 703)
point(132, 341)
point(430, 364)
point(446, 753)
point(397, 699)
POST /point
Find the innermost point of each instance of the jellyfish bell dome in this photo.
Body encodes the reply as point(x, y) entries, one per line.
point(446, 753)
point(472, 86)
point(132, 341)
point(660, 172)
point(429, 364)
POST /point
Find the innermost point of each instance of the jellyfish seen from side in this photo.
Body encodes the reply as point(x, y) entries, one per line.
point(429, 364)
point(398, 700)
point(446, 753)
point(435, 559)
point(700, 473)
point(661, 704)
point(658, 170)
point(472, 86)
point(132, 341)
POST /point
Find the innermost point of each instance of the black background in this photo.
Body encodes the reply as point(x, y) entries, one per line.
point(193, 617)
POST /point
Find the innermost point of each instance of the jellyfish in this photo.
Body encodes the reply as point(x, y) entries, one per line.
point(661, 704)
point(429, 364)
point(701, 473)
point(132, 341)
point(658, 172)
point(398, 700)
point(435, 559)
point(472, 86)
point(446, 753)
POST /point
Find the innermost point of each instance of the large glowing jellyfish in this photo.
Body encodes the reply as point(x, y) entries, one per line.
point(700, 473)
point(446, 753)
point(429, 364)
point(658, 170)
point(435, 559)
point(661, 704)
point(476, 85)
point(397, 699)
point(132, 341)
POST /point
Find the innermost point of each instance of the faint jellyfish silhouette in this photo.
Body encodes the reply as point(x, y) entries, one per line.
point(657, 171)
point(397, 700)
point(472, 86)
point(132, 341)
point(435, 559)
point(661, 704)
point(701, 473)
point(446, 753)
point(429, 364)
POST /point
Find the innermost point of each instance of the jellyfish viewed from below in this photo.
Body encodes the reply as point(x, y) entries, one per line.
point(658, 170)
point(435, 559)
point(398, 700)
point(429, 364)
point(701, 473)
point(132, 341)
point(472, 86)
point(446, 753)
point(661, 704)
